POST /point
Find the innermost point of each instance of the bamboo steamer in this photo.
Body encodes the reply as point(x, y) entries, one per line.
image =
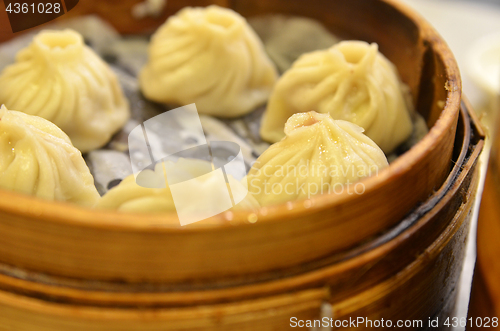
point(394, 252)
point(410, 273)
point(66, 241)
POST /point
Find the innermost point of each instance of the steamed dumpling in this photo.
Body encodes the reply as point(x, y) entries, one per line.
point(351, 81)
point(211, 57)
point(318, 155)
point(60, 79)
point(37, 158)
point(128, 196)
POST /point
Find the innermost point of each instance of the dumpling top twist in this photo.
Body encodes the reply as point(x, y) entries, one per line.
point(352, 81)
point(37, 158)
point(59, 78)
point(318, 155)
point(211, 57)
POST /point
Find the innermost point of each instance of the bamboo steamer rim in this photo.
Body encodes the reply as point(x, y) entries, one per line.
point(64, 213)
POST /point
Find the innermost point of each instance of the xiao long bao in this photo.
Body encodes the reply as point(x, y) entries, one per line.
point(317, 155)
point(37, 158)
point(351, 81)
point(211, 57)
point(59, 78)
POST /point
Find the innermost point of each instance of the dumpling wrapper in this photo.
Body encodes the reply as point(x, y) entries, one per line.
point(38, 159)
point(318, 155)
point(59, 78)
point(351, 81)
point(210, 57)
point(128, 196)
